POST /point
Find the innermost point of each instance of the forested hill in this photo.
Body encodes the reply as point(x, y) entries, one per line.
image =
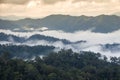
point(101, 23)
point(27, 47)
point(13, 38)
point(64, 65)
point(26, 52)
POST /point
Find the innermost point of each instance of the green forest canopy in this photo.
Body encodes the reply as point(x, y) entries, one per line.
point(62, 65)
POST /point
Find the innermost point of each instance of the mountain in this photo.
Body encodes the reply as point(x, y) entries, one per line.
point(101, 23)
point(37, 44)
point(11, 38)
point(115, 47)
point(36, 37)
point(22, 47)
point(47, 38)
point(5, 24)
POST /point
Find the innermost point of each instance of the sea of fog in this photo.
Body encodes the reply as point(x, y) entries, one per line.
point(93, 40)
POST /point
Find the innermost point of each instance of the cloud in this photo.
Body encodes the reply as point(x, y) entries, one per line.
point(42, 8)
point(51, 1)
point(93, 40)
point(26, 1)
point(100, 1)
point(92, 0)
point(14, 1)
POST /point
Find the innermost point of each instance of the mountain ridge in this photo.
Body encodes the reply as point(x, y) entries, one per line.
point(67, 23)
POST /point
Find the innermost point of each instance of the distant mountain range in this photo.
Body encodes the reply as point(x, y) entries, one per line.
point(102, 23)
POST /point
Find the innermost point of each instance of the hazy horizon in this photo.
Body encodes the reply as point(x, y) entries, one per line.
point(14, 17)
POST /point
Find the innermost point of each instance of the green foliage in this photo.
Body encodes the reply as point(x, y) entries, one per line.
point(23, 51)
point(63, 65)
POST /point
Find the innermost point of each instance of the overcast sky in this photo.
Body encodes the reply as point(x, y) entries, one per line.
point(41, 8)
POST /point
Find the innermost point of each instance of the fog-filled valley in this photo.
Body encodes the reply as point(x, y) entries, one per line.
point(60, 47)
point(59, 39)
point(99, 34)
point(54, 40)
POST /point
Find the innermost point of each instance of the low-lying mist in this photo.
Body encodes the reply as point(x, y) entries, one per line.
point(95, 42)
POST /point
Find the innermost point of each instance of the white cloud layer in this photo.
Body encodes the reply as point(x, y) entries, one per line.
point(93, 40)
point(92, 37)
